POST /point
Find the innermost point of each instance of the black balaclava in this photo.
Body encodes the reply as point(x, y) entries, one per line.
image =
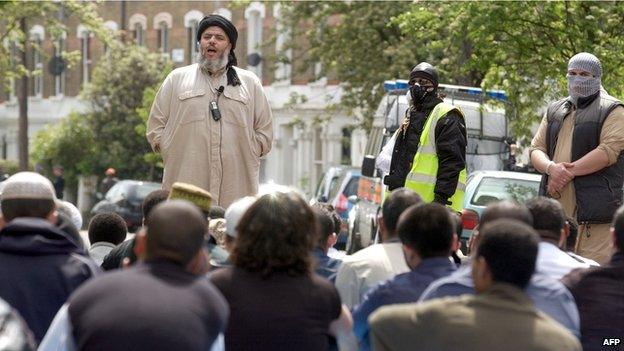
point(426, 71)
point(230, 30)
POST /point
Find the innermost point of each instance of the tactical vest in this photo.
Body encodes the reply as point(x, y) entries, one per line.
point(423, 175)
point(598, 195)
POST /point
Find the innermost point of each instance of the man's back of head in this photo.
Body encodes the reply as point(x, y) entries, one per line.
point(506, 253)
point(427, 229)
point(152, 199)
point(398, 201)
point(107, 227)
point(499, 210)
point(618, 229)
point(548, 218)
point(328, 223)
point(175, 231)
point(506, 209)
point(27, 194)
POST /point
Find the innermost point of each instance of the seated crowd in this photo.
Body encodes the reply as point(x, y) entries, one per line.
point(261, 275)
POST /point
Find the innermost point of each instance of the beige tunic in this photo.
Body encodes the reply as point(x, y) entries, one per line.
point(223, 156)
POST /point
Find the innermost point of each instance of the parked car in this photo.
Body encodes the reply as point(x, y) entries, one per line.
point(486, 127)
point(336, 186)
point(484, 187)
point(125, 199)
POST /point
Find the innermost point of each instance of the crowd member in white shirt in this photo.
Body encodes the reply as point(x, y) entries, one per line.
point(549, 220)
point(379, 262)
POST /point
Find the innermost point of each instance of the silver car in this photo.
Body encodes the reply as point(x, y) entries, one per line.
point(484, 187)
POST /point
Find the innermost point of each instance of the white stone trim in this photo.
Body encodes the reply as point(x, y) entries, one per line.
point(137, 18)
point(81, 29)
point(111, 25)
point(191, 16)
point(163, 17)
point(37, 31)
point(224, 12)
point(255, 6)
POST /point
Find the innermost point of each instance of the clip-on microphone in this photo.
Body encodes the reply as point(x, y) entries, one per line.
point(214, 106)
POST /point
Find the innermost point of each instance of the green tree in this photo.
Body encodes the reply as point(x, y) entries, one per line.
point(519, 47)
point(115, 94)
point(15, 19)
point(355, 43)
point(522, 47)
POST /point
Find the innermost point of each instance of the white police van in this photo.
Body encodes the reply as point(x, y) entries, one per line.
point(486, 126)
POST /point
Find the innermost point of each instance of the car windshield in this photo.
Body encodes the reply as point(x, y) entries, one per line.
point(352, 187)
point(496, 189)
point(144, 189)
point(333, 187)
point(118, 192)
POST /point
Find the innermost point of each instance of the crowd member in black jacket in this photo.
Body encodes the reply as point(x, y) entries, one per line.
point(450, 136)
point(40, 266)
point(164, 302)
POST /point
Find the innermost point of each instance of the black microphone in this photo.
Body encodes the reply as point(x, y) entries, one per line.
point(214, 107)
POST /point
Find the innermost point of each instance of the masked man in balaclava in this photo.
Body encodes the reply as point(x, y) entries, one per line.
point(578, 147)
point(429, 153)
point(211, 121)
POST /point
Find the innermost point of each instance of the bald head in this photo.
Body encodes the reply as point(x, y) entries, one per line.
point(175, 231)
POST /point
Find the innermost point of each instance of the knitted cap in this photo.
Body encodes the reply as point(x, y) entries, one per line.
point(28, 185)
point(586, 62)
point(235, 212)
point(189, 192)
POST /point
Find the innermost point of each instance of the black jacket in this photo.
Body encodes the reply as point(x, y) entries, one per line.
point(451, 143)
point(39, 268)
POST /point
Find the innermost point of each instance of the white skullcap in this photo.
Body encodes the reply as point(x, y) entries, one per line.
point(235, 212)
point(71, 211)
point(28, 185)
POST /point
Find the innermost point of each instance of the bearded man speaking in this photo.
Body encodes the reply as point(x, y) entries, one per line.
point(211, 121)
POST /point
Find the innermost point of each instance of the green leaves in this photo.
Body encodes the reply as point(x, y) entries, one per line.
point(520, 47)
point(112, 134)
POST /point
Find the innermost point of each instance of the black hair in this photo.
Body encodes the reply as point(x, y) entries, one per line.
point(399, 200)
point(15, 208)
point(428, 229)
point(108, 227)
point(548, 217)
point(328, 221)
point(510, 249)
point(153, 199)
point(618, 227)
point(507, 210)
point(216, 212)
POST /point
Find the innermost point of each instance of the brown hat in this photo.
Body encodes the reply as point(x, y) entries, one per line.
point(194, 194)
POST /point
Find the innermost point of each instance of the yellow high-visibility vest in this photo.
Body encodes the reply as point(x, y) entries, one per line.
point(423, 175)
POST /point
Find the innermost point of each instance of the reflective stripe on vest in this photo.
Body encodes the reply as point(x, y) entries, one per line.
point(423, 175)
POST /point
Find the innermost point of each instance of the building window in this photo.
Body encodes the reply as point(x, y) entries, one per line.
point(13, 63)
point(138, 34)
point(163, 37)
point(38, 66)
point(85, 56)
point(254, 14)
point(193, 44)
point(59, 80)
point(191, 21)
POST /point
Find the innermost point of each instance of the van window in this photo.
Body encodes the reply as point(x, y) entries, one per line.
point(396, 113)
